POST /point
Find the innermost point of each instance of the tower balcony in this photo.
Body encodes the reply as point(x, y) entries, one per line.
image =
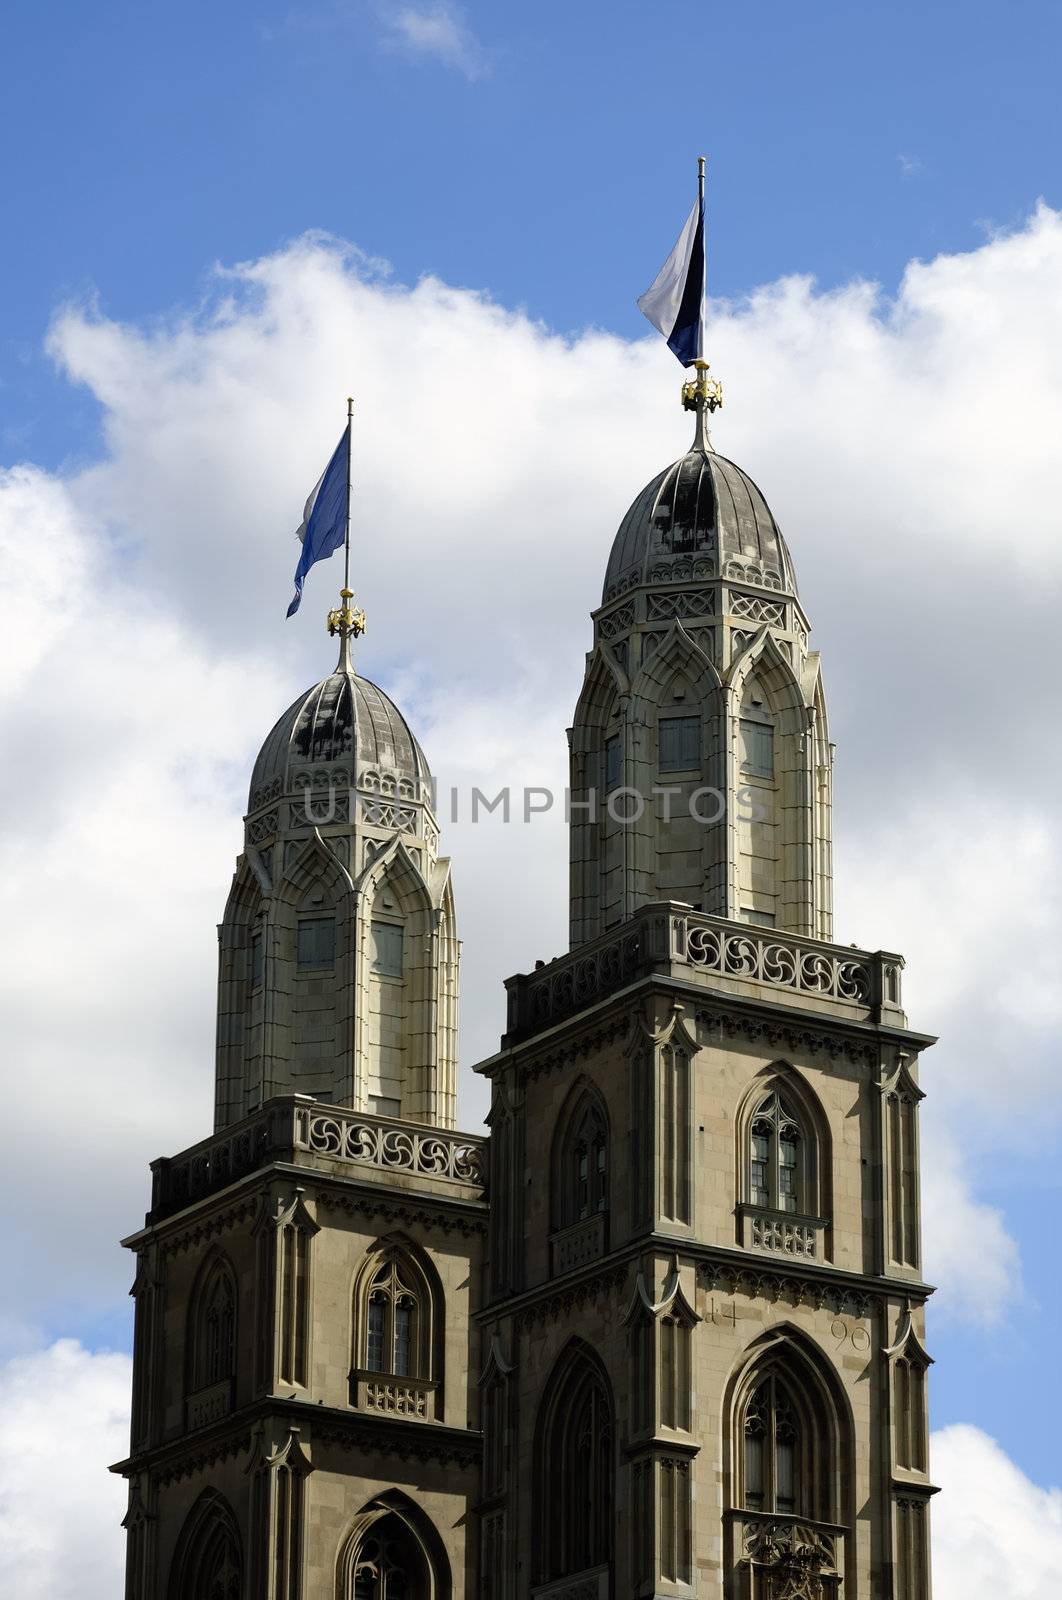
point(732, 959)
point(303, 1132)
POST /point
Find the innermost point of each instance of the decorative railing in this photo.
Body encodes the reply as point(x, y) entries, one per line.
point(782, 1233)
point(292, 1128)
point(592, 1584)
point(391, 1396)
point(583, 1242)
point(208, 1405)
point(397, 1146)
point(672, 939)
point(789, 1555)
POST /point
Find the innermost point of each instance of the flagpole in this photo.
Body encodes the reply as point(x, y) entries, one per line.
point(350, 479)
point(346, 620)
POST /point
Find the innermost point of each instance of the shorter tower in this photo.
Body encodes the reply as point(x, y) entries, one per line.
point(339, 953)
point(305, 1415)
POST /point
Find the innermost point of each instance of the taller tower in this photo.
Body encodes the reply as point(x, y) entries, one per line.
point(704, 1300)
point(701, 763)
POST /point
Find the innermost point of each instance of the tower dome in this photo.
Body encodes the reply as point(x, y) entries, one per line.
point(702, 517)
point(342, 729)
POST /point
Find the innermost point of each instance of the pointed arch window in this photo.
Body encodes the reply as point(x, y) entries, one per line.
point(391, 1322)
point(576, 1472)
point(778, 1162)
point(773, 1446)
point(397, 1329)
point(388, 1558)
point(208, 1564)
point(213, 1328)
point(585, 1175)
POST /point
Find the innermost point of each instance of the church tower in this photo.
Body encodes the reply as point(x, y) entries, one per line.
point(305, 1422)
point(675, 1346)
point(704, 1358)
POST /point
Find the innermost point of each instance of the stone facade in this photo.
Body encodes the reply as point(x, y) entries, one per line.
point(661, 1333)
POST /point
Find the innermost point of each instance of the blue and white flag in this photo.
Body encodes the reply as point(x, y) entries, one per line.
point(324, 519)
point(674, 303)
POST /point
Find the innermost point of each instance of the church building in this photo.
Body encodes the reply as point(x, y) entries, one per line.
point(659, 1332)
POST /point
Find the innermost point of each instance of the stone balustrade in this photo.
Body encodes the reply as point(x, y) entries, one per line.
point(208, 1405)
point(576, 1246)
point(733, 957)
point(782, 1233)
point(296, 1129)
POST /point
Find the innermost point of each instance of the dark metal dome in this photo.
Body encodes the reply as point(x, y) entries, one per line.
point(344, 719)
point(702, 517)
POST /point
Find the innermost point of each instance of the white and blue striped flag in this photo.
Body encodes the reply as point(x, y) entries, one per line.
point(674, 302)
point(324, 519)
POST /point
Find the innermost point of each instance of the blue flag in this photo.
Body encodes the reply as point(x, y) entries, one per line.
point(674, 302)
point(324, 519)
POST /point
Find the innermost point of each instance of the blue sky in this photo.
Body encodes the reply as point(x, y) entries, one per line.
point(548, 165)
point(546, 157)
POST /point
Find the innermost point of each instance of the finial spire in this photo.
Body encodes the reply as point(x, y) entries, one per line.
point(347, 620)
point(703, 395)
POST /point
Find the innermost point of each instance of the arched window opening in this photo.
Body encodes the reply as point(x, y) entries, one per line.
point(208, 1564)
point(584, 1179)
point(777, 1158)
point(910, 1402)
point(213, 1329)
point(396, 1348)
point(581, 1185)
point(389, 1564)
point(576, 1472)
point(391, 1344)
point(756, 730)
point(772, 1449)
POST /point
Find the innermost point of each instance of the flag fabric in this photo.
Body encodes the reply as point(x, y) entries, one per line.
point(324, 519)
point(674, 302)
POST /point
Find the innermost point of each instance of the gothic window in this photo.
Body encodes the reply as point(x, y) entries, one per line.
point(757, 748)
point(397, 1328)
point(575, 1470)
point(391, 1322)
point(390, 1565)
point(316, 942)
point(902, 1113)
point(777, 1158)
point(584, 1174)
point(208, 1563)
point(680, 744)
point(213, 1327)
point(909, 1389)
point(613, 763)
point(772, 1450)
point(789, 1443)
point(387, 942)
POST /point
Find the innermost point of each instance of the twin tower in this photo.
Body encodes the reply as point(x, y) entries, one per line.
point(660, 1333)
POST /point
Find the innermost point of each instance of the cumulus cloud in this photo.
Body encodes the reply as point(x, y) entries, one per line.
point(901, 444)
point(976, 1284)
point(994, 1532)
point(66, 1418)
point(440, 31)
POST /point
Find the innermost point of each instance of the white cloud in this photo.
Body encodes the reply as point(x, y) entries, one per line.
point(968, 1250)
point(65, 1420)
point(994, 1532)
point(441, 31)
point(144, 610)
